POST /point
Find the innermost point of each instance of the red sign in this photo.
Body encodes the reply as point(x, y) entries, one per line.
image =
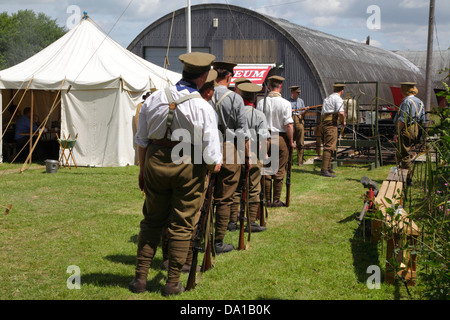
point(397, 95)
point(256, 73)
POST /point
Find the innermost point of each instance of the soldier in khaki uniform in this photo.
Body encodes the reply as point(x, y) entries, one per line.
point(411, 113)
point(206, 91)
point(298, 114)
point(233, 127)
point(257, 124)
point(174, 189)
point(332, 112)
point(237, 82)
point(278, 112)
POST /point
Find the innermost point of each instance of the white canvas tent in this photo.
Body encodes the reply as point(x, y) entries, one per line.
point(100, 84)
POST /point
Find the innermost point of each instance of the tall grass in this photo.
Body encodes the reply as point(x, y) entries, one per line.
point(432, 208)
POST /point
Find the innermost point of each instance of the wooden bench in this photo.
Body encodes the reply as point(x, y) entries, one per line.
point(395, 228)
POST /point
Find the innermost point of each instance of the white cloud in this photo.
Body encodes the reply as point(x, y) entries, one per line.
point(322, 21)
point(403, 23)
point(413, 4)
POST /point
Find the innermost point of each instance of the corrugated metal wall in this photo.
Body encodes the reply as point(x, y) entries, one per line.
point(307, 57)
point(233, 25)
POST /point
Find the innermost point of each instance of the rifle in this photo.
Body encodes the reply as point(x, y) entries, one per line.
point(303, 110)
point(244, 190)
point(262, 204)
point(200, 233)
point(288, 177)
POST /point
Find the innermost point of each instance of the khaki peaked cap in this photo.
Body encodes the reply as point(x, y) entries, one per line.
point(409, 88)
point(197, 62)
point(276, 79)
point(295, 88)
point(238, 81)
point(249, 87)
point(408, 84)
point(224, 65)
point(340, 86)
point(212, 75)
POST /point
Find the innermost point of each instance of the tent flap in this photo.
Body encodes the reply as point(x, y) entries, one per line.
point(103, 124)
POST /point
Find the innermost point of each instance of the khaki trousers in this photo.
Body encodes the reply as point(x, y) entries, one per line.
point(283, 147)
point(299, 137)
point(228, 179)
point(406, 139)
point(173, 199)
point(254, 190)
point(329, 131)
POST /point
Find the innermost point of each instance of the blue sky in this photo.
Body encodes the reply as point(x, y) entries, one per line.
point(391, 24)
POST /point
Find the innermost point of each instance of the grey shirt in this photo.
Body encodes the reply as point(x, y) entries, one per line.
point(256, 121)
point(259, 130)
point(232, 120)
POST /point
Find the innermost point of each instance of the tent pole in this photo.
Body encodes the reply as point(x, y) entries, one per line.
point(56, 102)
point(31, 129)
point(18, 105)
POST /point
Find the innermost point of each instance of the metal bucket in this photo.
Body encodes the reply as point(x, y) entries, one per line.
point(51, 166)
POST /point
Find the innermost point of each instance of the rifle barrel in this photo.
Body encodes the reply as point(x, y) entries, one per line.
point(242, 208)
point(288, 177)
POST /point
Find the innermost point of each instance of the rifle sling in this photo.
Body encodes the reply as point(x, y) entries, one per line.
point(216, 107)
point(247, 198)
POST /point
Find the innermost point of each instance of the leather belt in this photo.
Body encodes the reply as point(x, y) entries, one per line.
point(165, 143)
point(329, 117)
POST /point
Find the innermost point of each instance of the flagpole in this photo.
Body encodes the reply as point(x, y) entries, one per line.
point(188, 27)
point(429, 67)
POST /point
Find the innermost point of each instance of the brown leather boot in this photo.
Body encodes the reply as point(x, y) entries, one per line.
point(326, 173)
point(145, 254)
point(278, 203)
point(172, 288)
point(138, 284)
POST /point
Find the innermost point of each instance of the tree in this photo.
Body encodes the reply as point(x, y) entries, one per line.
point(24, 34)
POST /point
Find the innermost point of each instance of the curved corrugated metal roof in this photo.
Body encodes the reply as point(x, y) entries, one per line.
point(335, 59)
point(441, 60)
point(331, 59)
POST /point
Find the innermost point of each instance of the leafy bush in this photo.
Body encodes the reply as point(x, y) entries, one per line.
point(434, 216)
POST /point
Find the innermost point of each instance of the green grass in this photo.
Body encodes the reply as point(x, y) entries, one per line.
point(89, 217)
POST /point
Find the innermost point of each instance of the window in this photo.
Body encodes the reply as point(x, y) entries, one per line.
point(250, 51)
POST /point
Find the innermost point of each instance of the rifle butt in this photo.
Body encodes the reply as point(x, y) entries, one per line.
point(288, 177)
point(192, 272)
point(241, 245)
point(288, 195)
point(262, 218)
point(207, 264)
